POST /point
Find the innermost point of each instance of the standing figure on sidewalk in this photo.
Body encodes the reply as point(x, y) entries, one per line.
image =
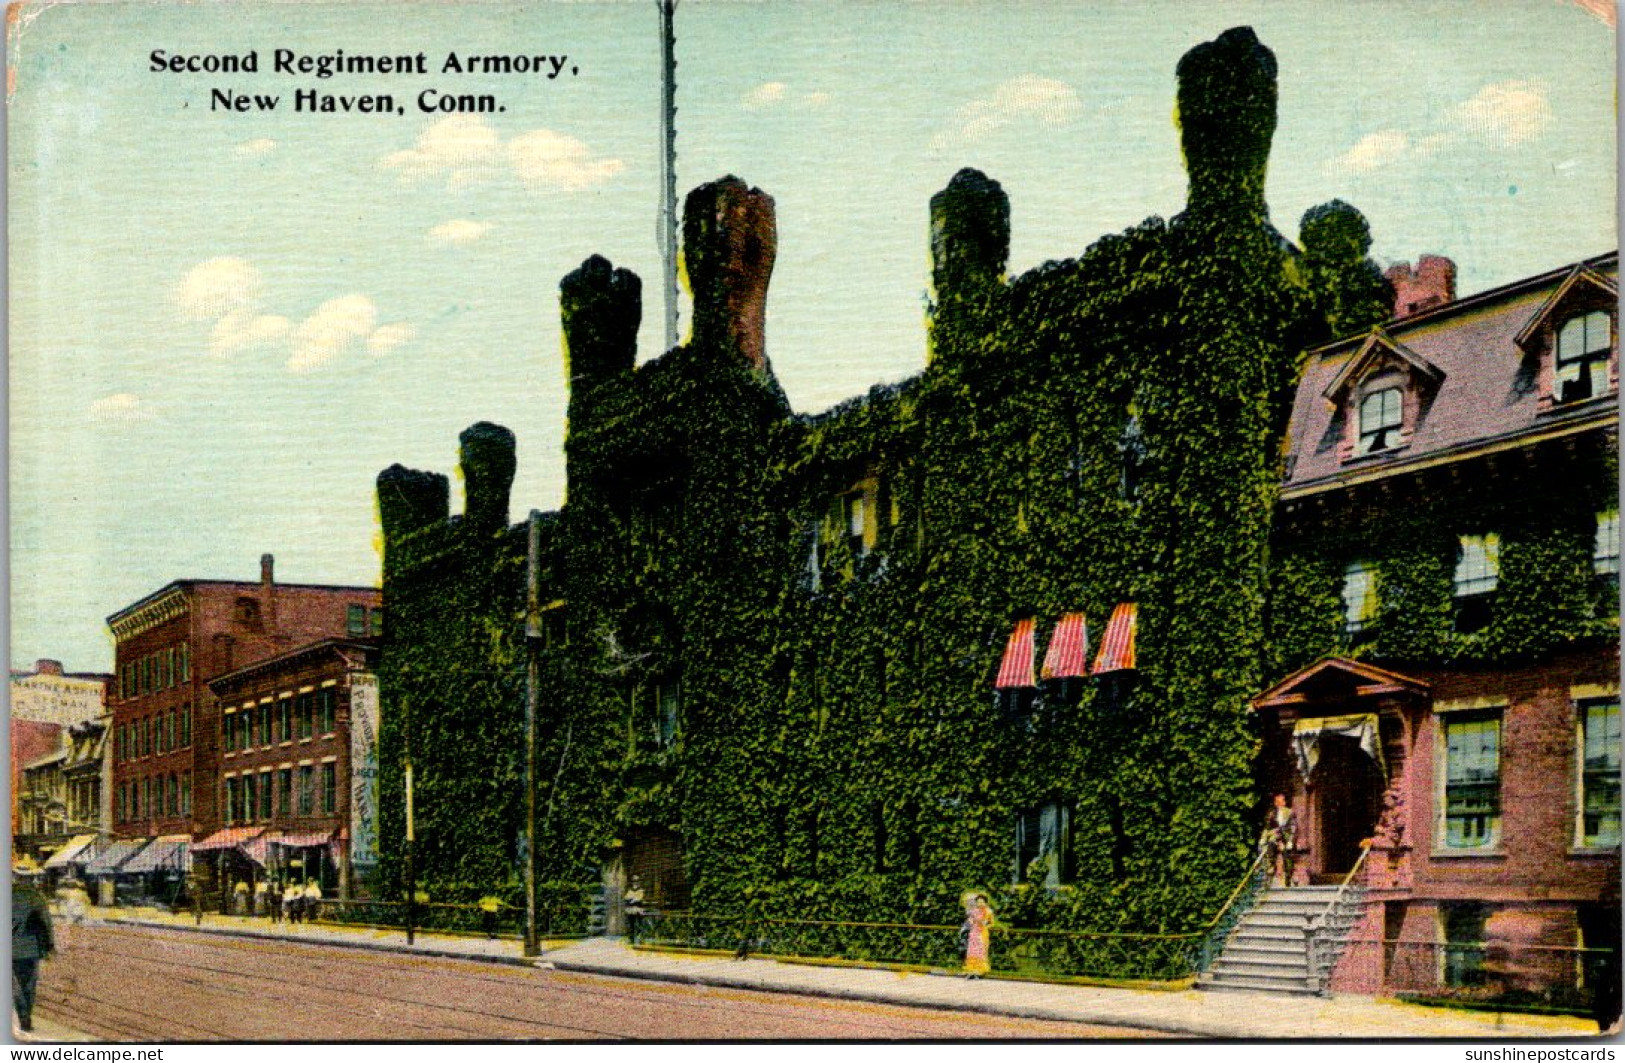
point(290, 902)
point(313, 900)
point(1279, 841)
point(31, 942)
point(632, 899)
point(976, 934)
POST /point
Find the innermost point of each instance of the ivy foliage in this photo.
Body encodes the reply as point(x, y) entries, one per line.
point(1099, 430)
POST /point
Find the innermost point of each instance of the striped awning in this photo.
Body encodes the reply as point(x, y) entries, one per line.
point(229, 838)
point(112, 858)
point(164, 854)
point(65, 855)
point(1068, 654)
point(259, 849)
point(1016, 670)
point(1117, 648)
point(304, 841)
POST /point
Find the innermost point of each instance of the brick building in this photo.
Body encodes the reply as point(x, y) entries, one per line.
point(1451, 500)
point(45, 703)
point(293, 730)
point(165, 725)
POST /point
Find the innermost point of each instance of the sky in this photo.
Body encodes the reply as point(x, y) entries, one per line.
point(223, 324)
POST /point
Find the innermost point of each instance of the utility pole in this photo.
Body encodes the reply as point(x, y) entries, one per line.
point(668, 164)
point(411, 882)
point(533, 694)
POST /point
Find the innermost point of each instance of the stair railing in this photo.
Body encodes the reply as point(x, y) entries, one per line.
point(1324, 933)
point(1235, 909)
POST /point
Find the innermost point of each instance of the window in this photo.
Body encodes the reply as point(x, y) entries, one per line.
point(855, 518)
point(306, 714)
point(248, 612)
point(186, 794)
point(325, 716)
point(1132, 454)
point(1478, 573)
point(377, 620)
point(1472, 793)
point(1044, 845)
point(284, 791)
point(330, 787)
point(1381, 415)
point(186, 726)
point(233, 804)
point(1605, 554)
point(1464, 944)
point(1599, 773)
point(284, 714)
point(356, 621)
point(307, 783)
point(1581, 364)
point(1359, 597)
point(264, 710)
point(164, 660)
point(185, 662)
point(668, 700)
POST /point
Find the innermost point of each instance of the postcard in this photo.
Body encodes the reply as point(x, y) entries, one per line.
point(857, 521)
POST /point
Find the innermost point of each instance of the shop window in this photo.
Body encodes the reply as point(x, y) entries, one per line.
point(1381, 418)
point(1478, 573)
point(1464, 944)
point(1599, 773)
point(1044, 845)
point(1472, 788)
point(1580, 357)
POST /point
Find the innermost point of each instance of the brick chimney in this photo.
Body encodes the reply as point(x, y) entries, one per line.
point(1432, 283)
point(268, 615)
point(267, 569)
point(730, 238)
point(46, 666)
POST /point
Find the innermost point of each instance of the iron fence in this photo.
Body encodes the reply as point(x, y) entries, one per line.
point(562, 918)
point(1498, 974)
point(1014, 952)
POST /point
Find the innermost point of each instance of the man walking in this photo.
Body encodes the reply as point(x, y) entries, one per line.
point(31, 942)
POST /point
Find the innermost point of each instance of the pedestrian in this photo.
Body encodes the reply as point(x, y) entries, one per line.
point(1279, 841)
point(31, 942)
point(290, 902)
point(313, 900)
point(977, 934)
point(633, 901)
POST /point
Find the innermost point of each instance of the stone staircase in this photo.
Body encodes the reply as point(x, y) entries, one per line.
point(1269, 949)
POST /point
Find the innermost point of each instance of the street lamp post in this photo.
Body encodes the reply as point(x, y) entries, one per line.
point(411, 883)
point(533, 666)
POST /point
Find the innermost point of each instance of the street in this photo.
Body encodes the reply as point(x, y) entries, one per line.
point(149, 984)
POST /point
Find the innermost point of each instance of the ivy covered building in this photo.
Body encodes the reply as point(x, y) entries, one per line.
point(1003, 625)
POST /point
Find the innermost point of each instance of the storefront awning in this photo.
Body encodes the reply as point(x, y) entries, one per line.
point(229, 838)
point(111, 859)
point(1306, 735)
point(1016, 670)
point(308, 840)
point(259, 849)
point(65, 855)
point(164, 854)
point(1068, 654)
point(1117, 648)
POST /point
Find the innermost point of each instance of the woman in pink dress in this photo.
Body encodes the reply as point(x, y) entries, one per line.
point(978, 920)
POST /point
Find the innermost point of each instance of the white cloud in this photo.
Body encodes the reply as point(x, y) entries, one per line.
point(459, 231)
point(257, 147)
point(120, 407)
point(1506, 113)
point(214, 288)
point(1502, 115)
point(1027, 98)
point(331, 331)
point(766, 94)
point(465, 150)
point(545, 159)
point(386, 338)
point(1375, 150)
point(779, 94)
point(243, 328)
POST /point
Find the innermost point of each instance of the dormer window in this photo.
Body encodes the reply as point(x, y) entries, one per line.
point(1382, 415)
point(1580, 356)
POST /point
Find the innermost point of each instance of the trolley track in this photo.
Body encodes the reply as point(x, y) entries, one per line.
point(242, 989)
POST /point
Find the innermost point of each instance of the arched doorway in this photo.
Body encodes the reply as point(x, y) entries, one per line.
point(1347, 786)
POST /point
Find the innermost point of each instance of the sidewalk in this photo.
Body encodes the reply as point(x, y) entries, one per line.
point(1187, 1013)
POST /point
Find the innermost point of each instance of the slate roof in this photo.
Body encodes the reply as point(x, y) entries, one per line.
point(1488, 395)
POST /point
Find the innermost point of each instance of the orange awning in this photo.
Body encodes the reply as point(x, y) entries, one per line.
point(1068, 654)
point(1117, 648)
point(1016, 670)
point(227, 839)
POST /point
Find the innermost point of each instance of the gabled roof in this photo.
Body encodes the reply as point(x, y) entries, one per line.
point(1581, 274)
point(1488, 397)
point(1337, 677)
point(1376, 347)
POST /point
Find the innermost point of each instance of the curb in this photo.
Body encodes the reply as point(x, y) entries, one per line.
point(364, 946)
